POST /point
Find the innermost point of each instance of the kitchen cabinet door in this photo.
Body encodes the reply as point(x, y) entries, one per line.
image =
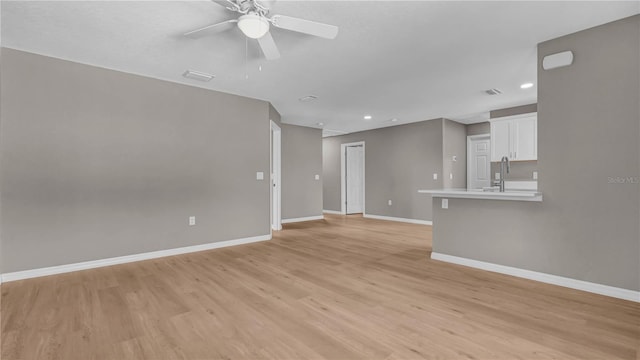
point(500, 140)
point(525, 133)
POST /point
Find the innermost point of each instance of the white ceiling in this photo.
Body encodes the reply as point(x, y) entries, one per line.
point(410, 60)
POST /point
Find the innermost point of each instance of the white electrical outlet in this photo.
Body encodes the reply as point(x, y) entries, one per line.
point(445, 203)
point(497, 176)
point(317, 177)
point(192, 220)
point(259, 175)
point(535, 175)
point(390, 202)
point(435, 176)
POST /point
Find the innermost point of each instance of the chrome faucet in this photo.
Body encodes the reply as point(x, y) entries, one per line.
point(504, 165)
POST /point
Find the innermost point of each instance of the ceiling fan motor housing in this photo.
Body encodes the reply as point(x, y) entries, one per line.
point(253, 25)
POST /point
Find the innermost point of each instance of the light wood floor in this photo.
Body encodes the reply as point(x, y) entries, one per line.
point(342, 288)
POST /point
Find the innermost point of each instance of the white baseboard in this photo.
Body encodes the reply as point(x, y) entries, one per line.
point(332, 212)
point(27, 274)
point(542, 277)
point(390, 218)
point(308, 218)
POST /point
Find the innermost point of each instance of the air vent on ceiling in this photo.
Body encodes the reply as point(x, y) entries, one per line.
point(493, 91)
point(197, 75)
point(308, 98)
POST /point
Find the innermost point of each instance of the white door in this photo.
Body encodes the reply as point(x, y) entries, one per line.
point(478, 161)
point(354, 166)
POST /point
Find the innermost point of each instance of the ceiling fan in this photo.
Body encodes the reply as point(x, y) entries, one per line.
point(254, 22)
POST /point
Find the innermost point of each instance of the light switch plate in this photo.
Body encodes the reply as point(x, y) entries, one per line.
point(535, 175)
point(317, 177)
point(192, 220)
point(259, 175)
point(445, 203)
point(390, 202)
point(435, 176)
point(454, 158)
point(450, 176)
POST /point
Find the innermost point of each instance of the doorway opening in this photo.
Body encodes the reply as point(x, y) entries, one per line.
point(352, 178)
point(275, 184)
point(478, 161)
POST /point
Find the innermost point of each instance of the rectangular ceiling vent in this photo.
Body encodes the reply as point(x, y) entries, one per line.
point(493, 91)
point(197, 75)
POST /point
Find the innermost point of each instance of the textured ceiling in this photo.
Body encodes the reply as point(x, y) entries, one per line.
point(411, 60)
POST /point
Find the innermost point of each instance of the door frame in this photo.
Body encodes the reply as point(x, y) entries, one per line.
point(275, 168)
point(470, 138)
point(343, 177)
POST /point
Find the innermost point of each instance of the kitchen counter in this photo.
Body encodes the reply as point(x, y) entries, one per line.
point(514, 195)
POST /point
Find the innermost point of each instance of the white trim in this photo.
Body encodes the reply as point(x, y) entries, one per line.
point(542, 277)
point(343, 180)
point(60, 269)
point(301, 219)
point(275, 175)
point(332, 212)
point(513, 117)
point(479, 136)
point(389, 218)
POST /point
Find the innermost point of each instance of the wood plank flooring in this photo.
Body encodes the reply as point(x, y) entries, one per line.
point(339, 288)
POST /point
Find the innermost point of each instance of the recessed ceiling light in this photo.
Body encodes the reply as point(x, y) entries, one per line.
point(197, 75)
point(320, 124)
point(526, 86)
point(308, 98)
point(394, 120)
point(368, 117)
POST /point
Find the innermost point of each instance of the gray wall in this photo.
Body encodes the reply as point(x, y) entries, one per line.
point(588, 131)
point(97, 163)
point(454, 144)
point(301, 161)
point(399, 160)
point(519, 170)
point(479, 128)
point(516, 110)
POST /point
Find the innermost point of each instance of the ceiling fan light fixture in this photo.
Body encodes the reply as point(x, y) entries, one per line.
point(253, 25)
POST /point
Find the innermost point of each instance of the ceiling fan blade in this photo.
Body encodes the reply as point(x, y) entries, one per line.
point(213, 29)
point(268, 47)
point(305, 26)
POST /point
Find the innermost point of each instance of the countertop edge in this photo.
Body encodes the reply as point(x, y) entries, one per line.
point(533, 197)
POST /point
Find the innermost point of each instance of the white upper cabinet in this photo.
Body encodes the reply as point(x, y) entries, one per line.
point(526, 139)
point(515, 137)
point(500, 140)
